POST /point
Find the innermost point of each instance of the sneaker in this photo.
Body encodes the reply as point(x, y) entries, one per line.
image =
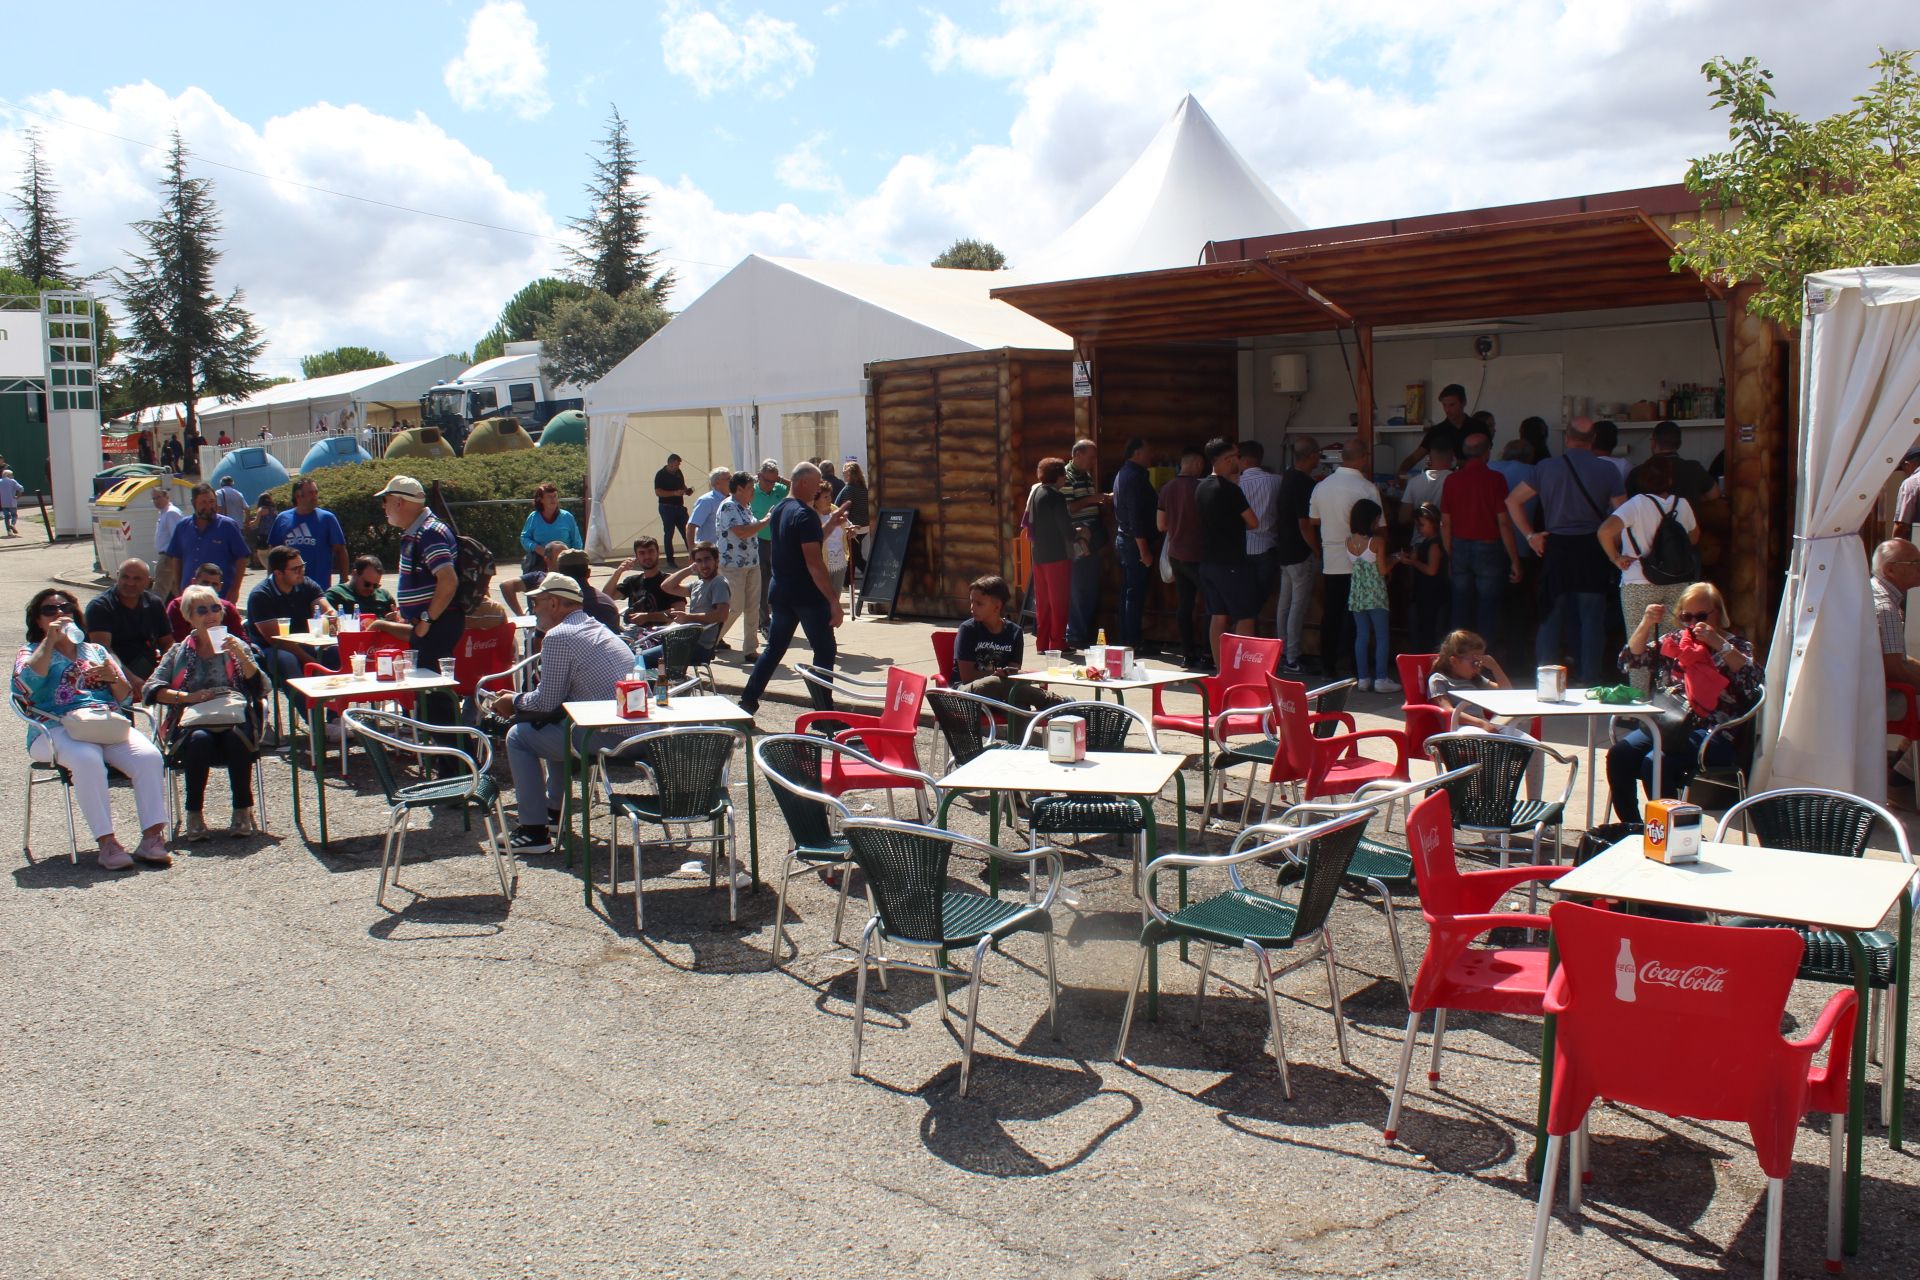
point(113, 858)
point(1384, 685)
point(741, 880)
point(196, 829)
point(1292, 669)
point(243, 824)
point(152, 850)
point(530, 840)
point(696, 869)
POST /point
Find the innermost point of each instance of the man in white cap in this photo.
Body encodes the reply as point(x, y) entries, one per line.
point(427, 582)
point(580, 661)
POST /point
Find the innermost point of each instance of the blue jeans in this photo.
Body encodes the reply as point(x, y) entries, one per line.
point(1370, 634)
point(1083, 602)
point(1479, 584)
point(1586, 611)
point(1630, 766)
point(1136, 580)
point(537, 755)
point(817, 621)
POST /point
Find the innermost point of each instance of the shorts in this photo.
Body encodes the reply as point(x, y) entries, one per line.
point(1232, 591)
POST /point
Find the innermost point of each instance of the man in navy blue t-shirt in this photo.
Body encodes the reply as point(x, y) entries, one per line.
point(799, 596)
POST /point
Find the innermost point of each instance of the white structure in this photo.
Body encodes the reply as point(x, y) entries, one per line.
point(770, 361)
point(337, 403)
point(1825, 722)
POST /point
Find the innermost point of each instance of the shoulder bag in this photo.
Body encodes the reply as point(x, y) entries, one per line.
point(97, 724)
point(229, 709)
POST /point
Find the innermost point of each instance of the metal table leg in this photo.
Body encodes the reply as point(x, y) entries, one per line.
point(753, 815)
point(1856, 1095)
point(319, 761)
point(1903, 965)
point(1153, 952)
point(1548, 1030)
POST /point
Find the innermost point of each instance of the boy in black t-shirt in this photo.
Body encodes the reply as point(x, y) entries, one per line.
point(988, 650)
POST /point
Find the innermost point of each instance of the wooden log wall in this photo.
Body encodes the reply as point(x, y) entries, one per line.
point(1760, 464)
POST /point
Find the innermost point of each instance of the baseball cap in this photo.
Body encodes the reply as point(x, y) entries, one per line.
point(574, 559)
point(406, 487)
point(557, 584)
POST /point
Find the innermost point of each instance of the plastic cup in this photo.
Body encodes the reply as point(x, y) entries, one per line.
point(413, 663)
point(218, 635)
point(446, 668)
point(349, 623)
point(359, 666)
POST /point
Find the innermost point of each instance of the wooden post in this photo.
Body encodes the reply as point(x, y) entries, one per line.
point(1363, 381)
point(1759, 464)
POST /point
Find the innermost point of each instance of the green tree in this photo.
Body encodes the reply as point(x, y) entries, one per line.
point(183, 337)
point(1807, 195)
point(586, 337)
point(524, 311)
point(972, 255)
point(40, 242)
point(612, 254)
point(342, 360)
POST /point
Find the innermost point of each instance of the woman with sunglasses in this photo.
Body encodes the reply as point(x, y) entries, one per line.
point(1700, 665)
point(57, 671)
point(197, 670)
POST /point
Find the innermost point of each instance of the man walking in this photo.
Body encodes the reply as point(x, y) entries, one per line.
point(580, 661)
point(1478, 536)
point(1298, 565)
point(314, 532)
point(164, 523)
point(670, 488)
point(1578, 491)
point(1225, 519)
point(1134, 510)
point(10, 491)
point(1329, 517)
point(428, 581)
point(1179, 520)
point(800, 594)
point(1262, 490)
point(1084, 501)
point(233, 503)
point(208, 538)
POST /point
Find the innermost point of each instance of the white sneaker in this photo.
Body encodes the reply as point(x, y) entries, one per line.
point(1386, 686)
point(696, 869)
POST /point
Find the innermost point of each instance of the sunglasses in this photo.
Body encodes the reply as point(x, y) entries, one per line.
point(1695, 617)
point(200, 609)
point(53, 608)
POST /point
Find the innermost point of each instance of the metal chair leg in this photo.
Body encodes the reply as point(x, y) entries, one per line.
point(1053, 988)
point(1776, 1195)
point(860, 991)
point(1836, 1178)
point(1400, 1077)
point(1273, 1016)
point(1133, 995)
point(973, 1012)
point(1333, 990)
point(1439, 1034)
point(1393, 939)
point(1543, 1212)
point(1200, 992)
point(780, 912)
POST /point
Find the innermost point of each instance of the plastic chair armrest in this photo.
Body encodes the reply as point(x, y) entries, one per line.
point(1559, 996)
point(807, 719)
point(1828, 1084)
point(1341, 743)
point(1341, 718)
point(1838, 1004)
point(1481, 889)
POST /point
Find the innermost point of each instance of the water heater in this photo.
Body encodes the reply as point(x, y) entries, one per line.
point(1290, 374)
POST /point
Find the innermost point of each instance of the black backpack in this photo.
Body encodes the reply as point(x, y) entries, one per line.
point(1673, 558)
point(475, 565)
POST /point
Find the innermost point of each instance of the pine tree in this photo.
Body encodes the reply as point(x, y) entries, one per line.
point(39, 244)
point(612, 256)
point(183, 337)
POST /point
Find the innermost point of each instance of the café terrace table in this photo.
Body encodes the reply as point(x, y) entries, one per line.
point(1138, 775)
point(1846, 895)
point(1525, 704)
point(1151, 678)
point(688, 709)
point(319, 690)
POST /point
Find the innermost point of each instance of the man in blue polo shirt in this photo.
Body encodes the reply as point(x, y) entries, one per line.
point(428, 580)
point(208, 538)
point(314, 532)
point(284, 605)
point(800, 595)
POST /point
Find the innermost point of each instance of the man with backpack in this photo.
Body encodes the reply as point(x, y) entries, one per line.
point(1651, 539)
point(1578, 491)
point(429, 586)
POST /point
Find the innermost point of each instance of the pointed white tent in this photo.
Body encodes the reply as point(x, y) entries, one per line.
point(1188, 187)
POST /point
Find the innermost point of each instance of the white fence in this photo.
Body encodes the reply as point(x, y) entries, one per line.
point(291, 450)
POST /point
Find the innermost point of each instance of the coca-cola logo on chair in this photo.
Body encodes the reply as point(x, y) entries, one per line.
point(1697, 977)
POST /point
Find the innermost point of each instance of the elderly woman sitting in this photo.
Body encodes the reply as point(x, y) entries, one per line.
point(57, 672)
point(196, 673)
point(1699, 664)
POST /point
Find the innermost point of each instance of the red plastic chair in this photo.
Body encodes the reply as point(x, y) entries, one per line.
point(482, 653)
point(1245, 662)
point(887, 737)
point(1424, 718)
point(943, 642)
point(1327, 766)
point(1707, 1000)
point(1907, 723)
point(367, 642)
point(1459, 908)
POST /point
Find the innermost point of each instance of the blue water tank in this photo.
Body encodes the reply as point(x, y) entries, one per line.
point(254, 471)
point(336, 452)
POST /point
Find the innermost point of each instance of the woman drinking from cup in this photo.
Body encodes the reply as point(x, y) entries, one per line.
point(206, 671)
point(58, 673)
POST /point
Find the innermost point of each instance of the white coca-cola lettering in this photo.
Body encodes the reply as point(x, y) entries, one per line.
point(1699, 977)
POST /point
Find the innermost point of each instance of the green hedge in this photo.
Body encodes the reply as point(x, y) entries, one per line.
point(348, 493)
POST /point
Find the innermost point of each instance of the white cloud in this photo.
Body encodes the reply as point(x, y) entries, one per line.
point(503, 66)
point(804, 169)
point(892, 39)
point(712, 50)
point(318, 271)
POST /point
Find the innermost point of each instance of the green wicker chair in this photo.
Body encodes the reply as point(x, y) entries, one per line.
point(970, 723)
point(465, 793)
point(1487, 801)
point(791, 763)
point(1256, 922)
point(1815, 820)
point(1731, 777)
point(685, 770)
point(680, 667)
point(906, 866)
point(1108, 725)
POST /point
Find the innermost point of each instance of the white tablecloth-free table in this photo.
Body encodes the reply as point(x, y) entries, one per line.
point(1525, 704)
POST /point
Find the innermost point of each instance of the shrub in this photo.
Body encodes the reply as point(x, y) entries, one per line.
point(348, 493)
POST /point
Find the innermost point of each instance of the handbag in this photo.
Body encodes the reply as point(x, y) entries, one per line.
point(96, 724)
point(1166, 560)
point(230, 708)
point(1675, 719)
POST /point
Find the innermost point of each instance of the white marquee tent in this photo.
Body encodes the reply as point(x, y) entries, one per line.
point(1825, 722)
point(337, 402)
point(770, 360)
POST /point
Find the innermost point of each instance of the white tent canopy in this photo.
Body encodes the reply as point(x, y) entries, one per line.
point(337, 402)
point(1188, 187)
point(1825, 723)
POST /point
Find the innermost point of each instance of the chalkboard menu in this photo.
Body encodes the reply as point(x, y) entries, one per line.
point(881, 582)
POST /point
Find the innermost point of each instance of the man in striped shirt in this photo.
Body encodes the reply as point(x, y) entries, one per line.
point(428, 580)
point(580, 661)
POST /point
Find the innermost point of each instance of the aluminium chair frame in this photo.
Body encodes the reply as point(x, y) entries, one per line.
point(725, 832)
point(1506, 833)
point(1701, 767)
point(996, 713)
point(54, 771)
point(1292, 793)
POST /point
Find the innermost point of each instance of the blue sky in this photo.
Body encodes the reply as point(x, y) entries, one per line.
point(846, 129)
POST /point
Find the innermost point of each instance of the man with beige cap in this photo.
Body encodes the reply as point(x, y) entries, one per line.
point(428, 580)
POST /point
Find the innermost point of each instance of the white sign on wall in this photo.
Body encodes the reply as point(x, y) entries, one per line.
point(23, 347)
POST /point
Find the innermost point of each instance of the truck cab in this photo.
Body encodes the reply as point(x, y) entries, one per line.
point(508, 385)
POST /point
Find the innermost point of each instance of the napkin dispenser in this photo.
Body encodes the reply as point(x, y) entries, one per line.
point(1673, 832)
point(633, 698)
point(1067, 739)
point(1119, 662)
point(1550, 684)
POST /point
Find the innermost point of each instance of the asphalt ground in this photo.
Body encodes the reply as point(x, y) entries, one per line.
point(241, 1067)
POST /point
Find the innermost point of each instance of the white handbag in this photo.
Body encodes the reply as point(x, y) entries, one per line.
point(230, 708)
point(96, 724)
point(1166, 560)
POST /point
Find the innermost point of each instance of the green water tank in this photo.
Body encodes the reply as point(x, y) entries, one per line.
point(419, 442)
point(569, 427)
point(497, 435)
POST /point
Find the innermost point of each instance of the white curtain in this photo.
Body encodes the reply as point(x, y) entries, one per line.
point(739, 437)
point(606, 433)
point(1825, 723)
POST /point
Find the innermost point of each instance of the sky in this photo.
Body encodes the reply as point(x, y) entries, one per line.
point(389, 174)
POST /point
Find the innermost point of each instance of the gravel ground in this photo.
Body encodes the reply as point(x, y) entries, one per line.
point(242, 1067)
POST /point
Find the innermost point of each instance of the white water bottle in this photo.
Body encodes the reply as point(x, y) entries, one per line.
point(1625, 988)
